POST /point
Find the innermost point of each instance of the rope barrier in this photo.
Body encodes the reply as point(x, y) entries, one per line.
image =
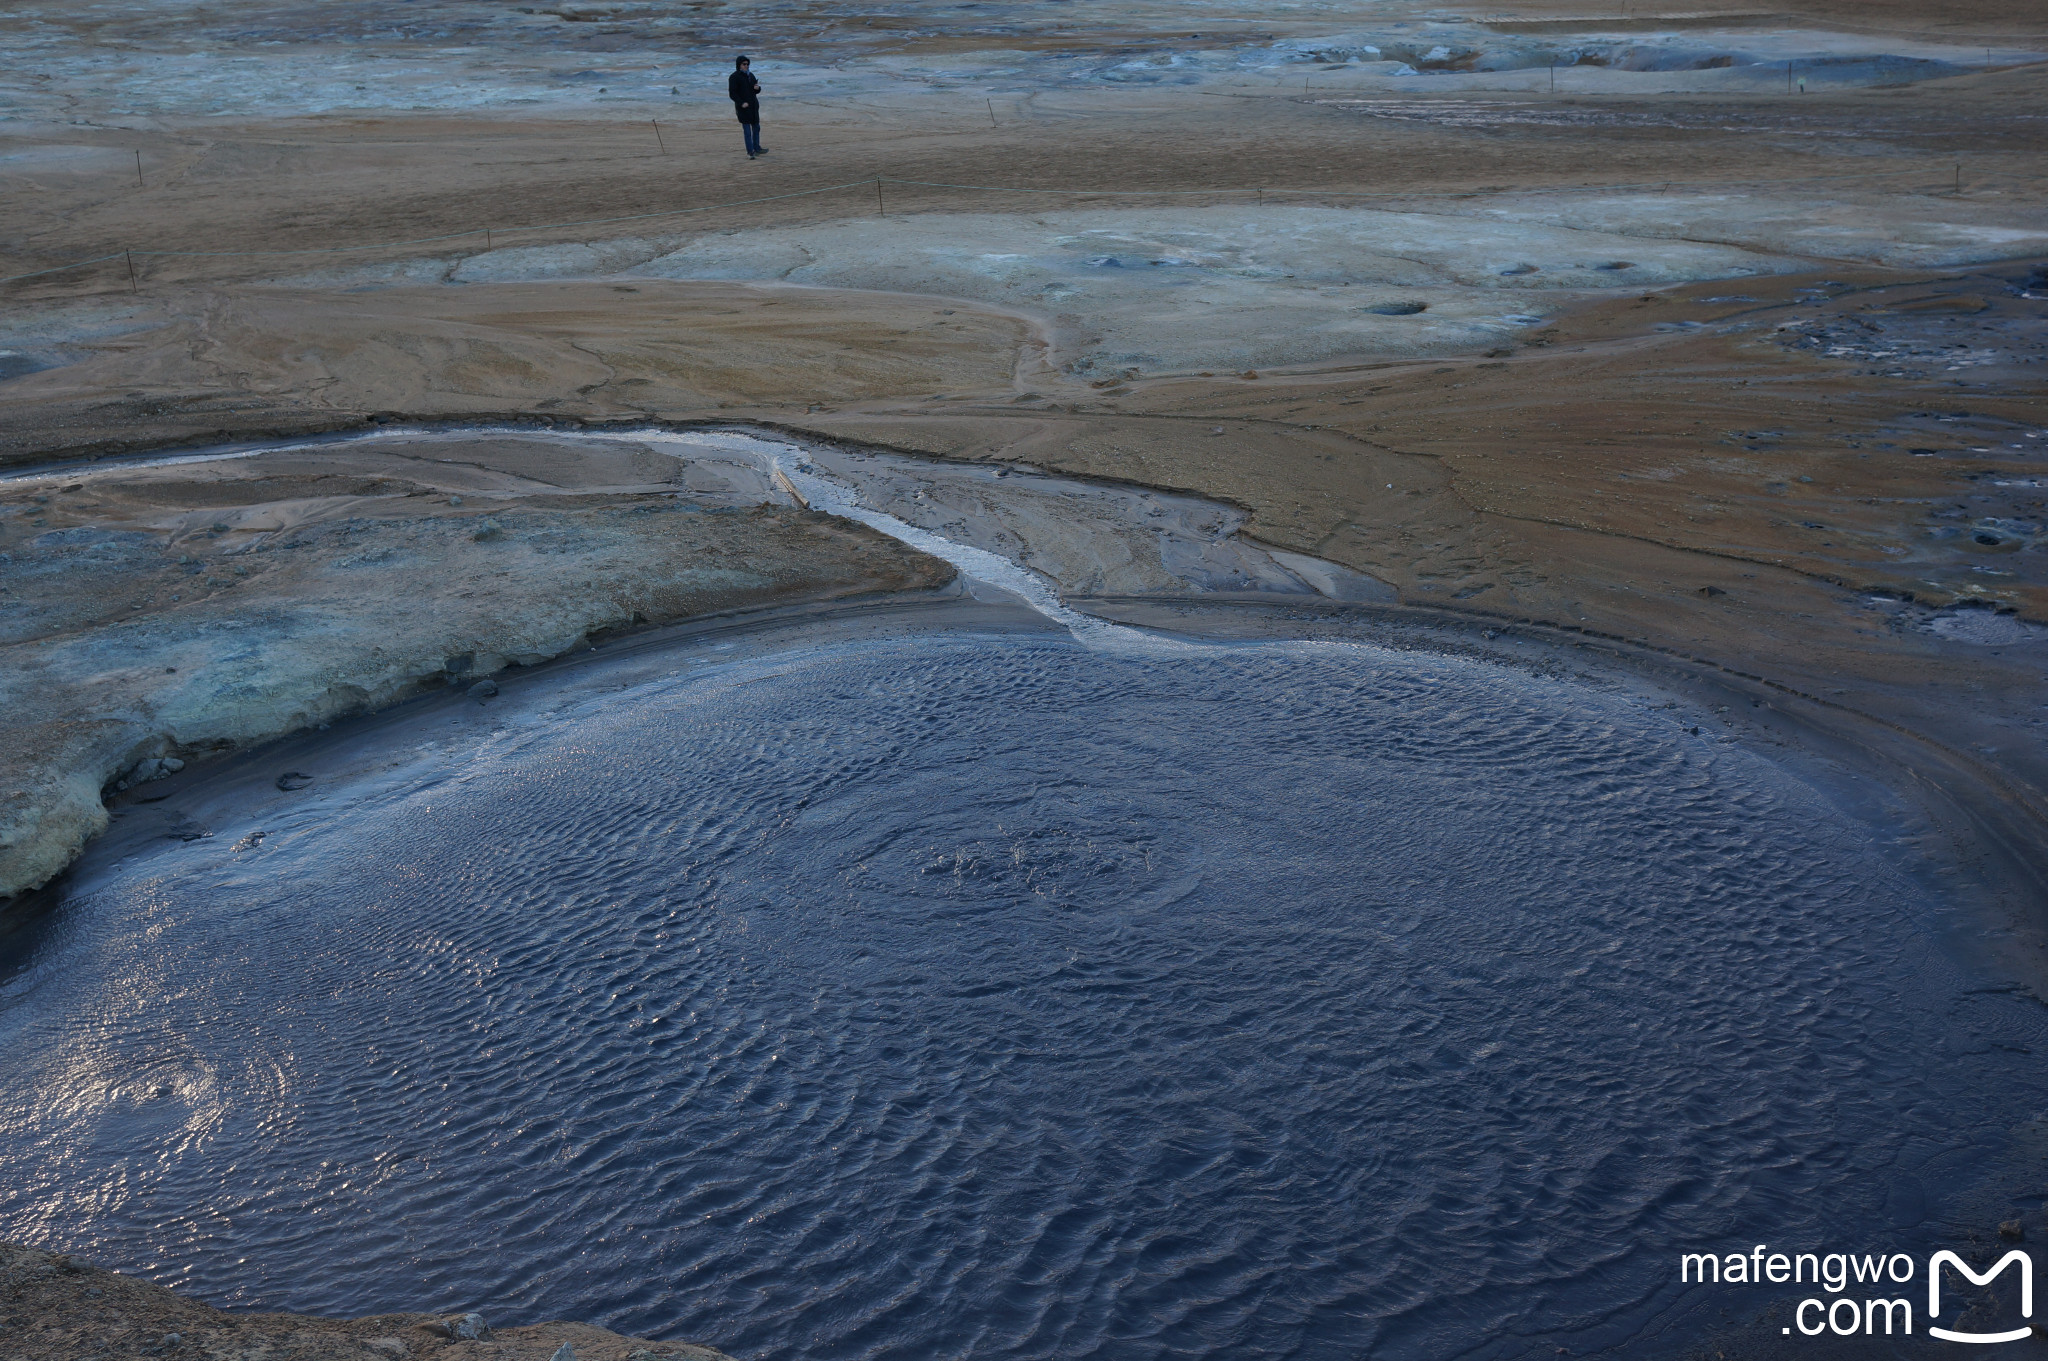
point(879, 180)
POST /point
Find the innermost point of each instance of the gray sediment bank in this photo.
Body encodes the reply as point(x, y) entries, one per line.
point(160, 614)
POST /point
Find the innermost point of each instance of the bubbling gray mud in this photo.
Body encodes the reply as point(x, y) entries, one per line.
point(966, 994)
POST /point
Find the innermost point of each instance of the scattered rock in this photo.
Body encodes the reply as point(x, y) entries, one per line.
point(482, 690)
point(293, 779)
point(468, 1327)
point(565, 1352)
point(1396, 309)
point(172, 1340)
point(487, 531)
point(2012, 1230)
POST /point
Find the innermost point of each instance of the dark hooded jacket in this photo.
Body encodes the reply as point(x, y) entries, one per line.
point(745, 93)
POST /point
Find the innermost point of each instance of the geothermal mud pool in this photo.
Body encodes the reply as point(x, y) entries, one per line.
point(1452, 711)
point(946, 981)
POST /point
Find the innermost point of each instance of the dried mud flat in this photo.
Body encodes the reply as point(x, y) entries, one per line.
point(1673, 359)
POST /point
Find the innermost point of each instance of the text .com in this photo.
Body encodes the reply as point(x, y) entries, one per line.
point(1879, 1306)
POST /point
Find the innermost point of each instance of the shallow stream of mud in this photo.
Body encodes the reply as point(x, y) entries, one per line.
point(975, 989)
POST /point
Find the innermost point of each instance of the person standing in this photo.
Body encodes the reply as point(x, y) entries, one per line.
point(745, 93)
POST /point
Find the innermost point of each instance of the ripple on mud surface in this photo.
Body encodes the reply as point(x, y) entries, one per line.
point(948, 996)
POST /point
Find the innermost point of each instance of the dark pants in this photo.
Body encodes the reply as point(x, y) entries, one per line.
point(752, 132)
